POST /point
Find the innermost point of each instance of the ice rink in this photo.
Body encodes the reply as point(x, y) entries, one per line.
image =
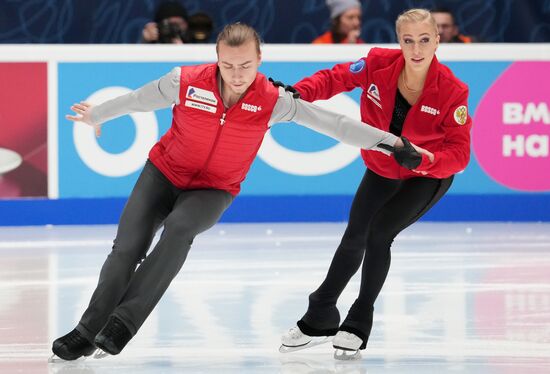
point(460, 298)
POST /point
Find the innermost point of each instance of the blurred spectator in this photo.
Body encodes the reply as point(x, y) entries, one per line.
point(173, 25)
point(170, 25)
point(200, 28)
point(448, 29)
point(346, 23)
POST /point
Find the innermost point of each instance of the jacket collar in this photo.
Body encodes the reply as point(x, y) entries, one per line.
point(215, 73)
point(394, 69)
point(432, 80)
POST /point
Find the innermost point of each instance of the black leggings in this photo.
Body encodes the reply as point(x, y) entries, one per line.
point(381, 209)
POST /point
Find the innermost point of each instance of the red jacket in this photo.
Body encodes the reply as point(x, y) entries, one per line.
point(209, 146)
point(438, 122)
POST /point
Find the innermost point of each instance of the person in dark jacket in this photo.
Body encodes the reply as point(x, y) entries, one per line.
point(449, 32)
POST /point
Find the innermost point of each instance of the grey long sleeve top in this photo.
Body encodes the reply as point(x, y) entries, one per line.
point(164, 92)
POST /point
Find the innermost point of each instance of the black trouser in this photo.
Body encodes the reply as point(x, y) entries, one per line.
point(381, 209)
point(130, 293)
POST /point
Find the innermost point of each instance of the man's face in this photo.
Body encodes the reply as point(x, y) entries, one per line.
point(238, 66)
point(350, 20)
point(446, 26)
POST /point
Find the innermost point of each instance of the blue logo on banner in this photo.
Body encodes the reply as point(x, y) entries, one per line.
point(107, 166)
point(356, 67)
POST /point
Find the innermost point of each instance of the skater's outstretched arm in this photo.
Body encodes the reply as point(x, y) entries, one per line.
point(337, 126)
point(160, 93)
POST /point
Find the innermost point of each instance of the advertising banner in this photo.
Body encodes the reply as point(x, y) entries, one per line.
point(23, 130)
point(298, 175)
point(508, 102)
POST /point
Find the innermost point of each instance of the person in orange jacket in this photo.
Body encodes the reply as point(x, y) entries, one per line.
point(447, 27)
point(407, 92)
point(345, 24)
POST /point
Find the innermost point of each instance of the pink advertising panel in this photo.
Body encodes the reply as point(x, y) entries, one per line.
point(511, 132)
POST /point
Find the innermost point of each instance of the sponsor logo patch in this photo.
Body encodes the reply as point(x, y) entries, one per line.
point(429, 110)
point(251, 108)
point(373, 91)
point(356, 67)
point(461, 114)
point(374, 101)
point(195, 105)
point(198, 94)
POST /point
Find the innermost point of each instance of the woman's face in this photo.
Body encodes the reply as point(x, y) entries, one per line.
point(418, 41)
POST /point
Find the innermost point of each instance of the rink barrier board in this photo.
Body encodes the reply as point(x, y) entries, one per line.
point(452, 208)
point(474, 196)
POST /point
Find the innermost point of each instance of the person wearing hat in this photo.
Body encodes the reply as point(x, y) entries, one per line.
point(346, 23)
point(170, 26)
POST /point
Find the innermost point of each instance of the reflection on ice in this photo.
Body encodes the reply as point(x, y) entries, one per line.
point(472, 298)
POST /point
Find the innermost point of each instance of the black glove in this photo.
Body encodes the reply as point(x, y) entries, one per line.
point(288, 88)
point(408, 157)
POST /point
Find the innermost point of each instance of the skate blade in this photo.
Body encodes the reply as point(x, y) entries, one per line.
point(54, 359)
point(99, 354)
point(312, 343)
point(346, 354)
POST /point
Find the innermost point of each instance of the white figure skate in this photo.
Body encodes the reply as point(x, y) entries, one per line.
point(347, 346)
point(295, 340)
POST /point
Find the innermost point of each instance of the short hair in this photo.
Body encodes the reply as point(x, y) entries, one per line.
point(415, 15)
point(441, 9)
point(237, 34)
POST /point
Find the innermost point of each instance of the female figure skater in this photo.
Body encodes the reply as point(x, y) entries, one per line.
point(408, 92)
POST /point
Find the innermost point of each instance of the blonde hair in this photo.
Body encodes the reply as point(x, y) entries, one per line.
point(237, 34)
point(415, 15)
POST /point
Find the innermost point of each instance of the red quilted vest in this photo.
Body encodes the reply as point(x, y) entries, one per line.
point(209, 146)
